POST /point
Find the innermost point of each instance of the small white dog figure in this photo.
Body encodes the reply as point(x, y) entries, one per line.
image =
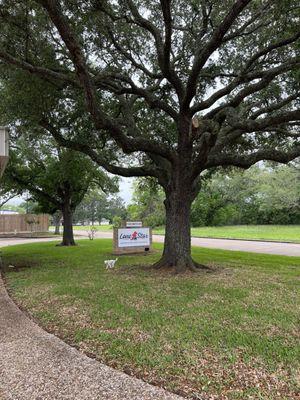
point(109, 264)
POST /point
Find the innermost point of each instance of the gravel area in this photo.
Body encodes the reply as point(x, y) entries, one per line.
point(35, 365)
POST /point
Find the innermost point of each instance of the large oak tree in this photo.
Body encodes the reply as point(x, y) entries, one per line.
point(173, 88)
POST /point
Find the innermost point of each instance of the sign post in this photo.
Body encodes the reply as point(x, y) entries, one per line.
point(132, 239)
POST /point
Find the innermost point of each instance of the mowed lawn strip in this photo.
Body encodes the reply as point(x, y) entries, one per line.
point(233, 333)
point(285, 233)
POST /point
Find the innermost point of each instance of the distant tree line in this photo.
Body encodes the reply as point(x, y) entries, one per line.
point(261, 195)
point(265, 194)
point(97, 206)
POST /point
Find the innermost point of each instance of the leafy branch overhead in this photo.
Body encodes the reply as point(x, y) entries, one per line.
point(233, 65)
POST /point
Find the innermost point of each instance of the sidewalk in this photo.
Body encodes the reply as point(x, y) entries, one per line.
point(35, 365)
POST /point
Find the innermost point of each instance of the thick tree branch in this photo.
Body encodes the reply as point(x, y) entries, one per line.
point(271, 47)
point(166, 10)
point(246, 161)
point(275, 106)
point(101, 161)
point(101, 120)
point(202, 54)
point(33, 188)
point(45, 73)
point(267, 122)
point(268, 125)
point(163, 48)
point(267, 77)
point(4, 201)
point(241, 30)
point(211, 145)
point(102, 80)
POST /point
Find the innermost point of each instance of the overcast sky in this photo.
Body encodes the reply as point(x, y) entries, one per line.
point(126, 189)
point(125, 186)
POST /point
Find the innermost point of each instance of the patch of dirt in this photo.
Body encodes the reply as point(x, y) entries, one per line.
point(18, 265)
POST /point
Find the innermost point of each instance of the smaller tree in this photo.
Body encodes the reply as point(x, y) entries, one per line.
point(57, 179)
point(98, 205)
point(148, 202)
point(92, 207)
point(115, 208)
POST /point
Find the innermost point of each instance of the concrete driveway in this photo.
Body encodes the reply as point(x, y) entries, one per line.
point(284, 249)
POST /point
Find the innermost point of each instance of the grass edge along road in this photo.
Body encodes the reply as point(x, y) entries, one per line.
point(285, 233)
point(230, 334)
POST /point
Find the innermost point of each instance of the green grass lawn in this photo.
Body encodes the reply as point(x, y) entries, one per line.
point(287, 233)
point(232, 333)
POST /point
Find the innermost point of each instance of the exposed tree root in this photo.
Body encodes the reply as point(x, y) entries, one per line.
point(161, 263)
point(198, 266)
point(66, 244)
point(180, 266)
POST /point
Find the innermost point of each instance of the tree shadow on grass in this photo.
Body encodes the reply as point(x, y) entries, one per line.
point(151, 271)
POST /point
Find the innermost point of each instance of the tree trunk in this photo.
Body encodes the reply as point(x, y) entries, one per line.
point(177, 245)
point(68, 236)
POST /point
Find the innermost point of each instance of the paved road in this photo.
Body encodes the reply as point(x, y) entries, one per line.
point(285, 249)
point(12, 241)
point(35, 365)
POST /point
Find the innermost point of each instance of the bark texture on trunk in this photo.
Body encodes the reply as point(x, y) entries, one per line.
point(177, 246)
point(68, 236)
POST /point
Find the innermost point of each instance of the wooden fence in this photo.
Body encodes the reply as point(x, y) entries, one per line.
point(24, 223)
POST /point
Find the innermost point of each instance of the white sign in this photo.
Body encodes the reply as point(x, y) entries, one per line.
point(131, 224)
point(133, 237)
